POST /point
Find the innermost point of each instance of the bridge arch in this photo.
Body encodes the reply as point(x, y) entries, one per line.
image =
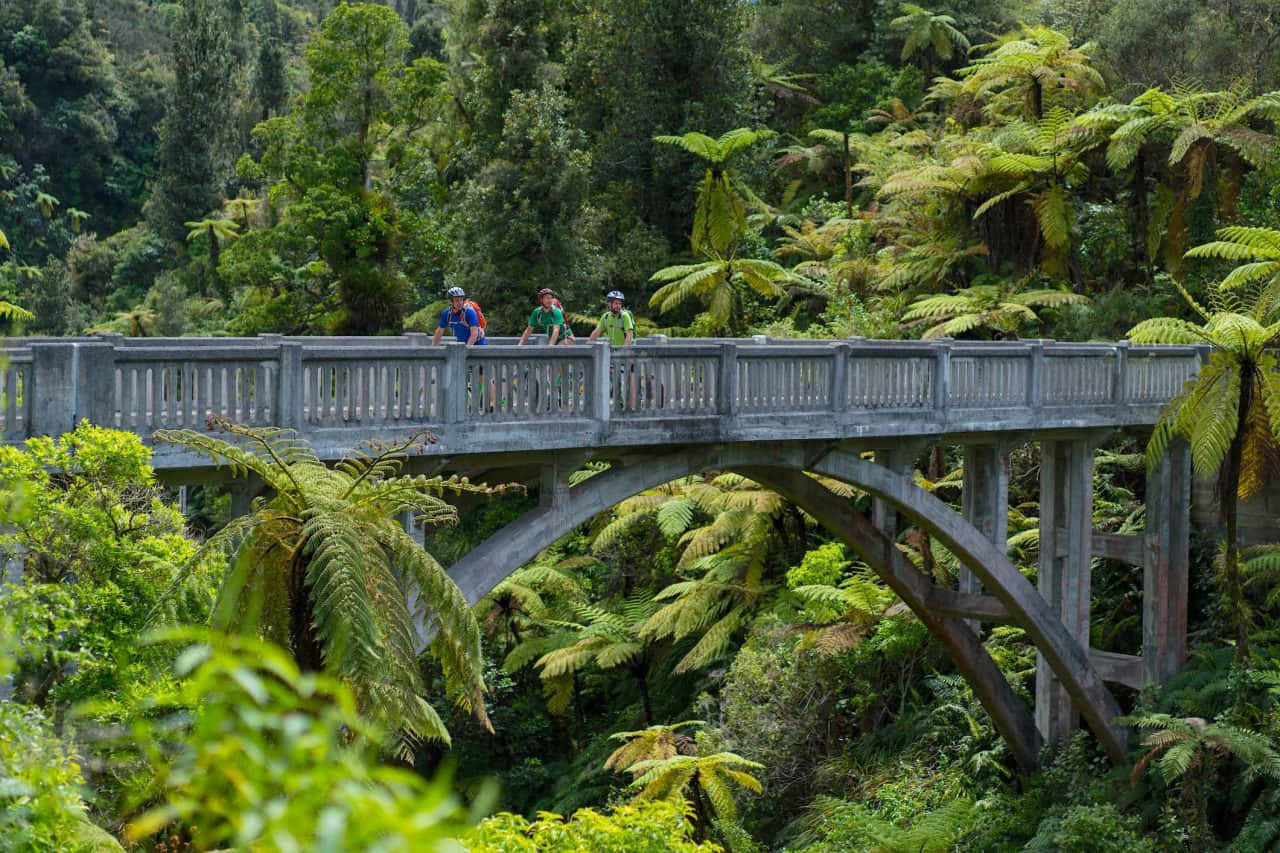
point(782, 468)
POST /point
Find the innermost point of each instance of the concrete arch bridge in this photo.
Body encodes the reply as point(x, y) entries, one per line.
point(773, 410)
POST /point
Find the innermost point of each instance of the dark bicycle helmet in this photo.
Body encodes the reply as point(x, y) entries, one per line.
point(456, 291)
point(615, 294)
point(545, 291)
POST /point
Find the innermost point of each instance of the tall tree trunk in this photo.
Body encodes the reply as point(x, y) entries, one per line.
point(848, 179)
point(1142, 258)
point(306, 647)
point(702, 815)
point(1230, 505)
point(642, 686)
point(1231, 181)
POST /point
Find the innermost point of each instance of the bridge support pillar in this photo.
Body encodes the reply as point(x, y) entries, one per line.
point(1066, 532)
point(242, 493)
point(899, 459)
point(416, 531)
point(1166, 566)
point(984, 501)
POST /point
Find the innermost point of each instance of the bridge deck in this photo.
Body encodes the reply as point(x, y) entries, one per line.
point(499, 398)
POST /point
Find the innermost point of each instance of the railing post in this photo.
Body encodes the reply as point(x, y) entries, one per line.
point(289, 386)
point(73, 381)
point(1119, 391)
point(54, 383)
point(601, 384)
point(942, 375)
point(455, 382)
point(96, 383)
point(840, 377)
point(727, 381)
point(1035, 377)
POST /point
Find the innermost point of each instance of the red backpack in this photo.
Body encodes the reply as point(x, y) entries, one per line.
point(475, 306)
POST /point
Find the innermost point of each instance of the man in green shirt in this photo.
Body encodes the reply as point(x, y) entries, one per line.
point(617, 324)
point(548, 319)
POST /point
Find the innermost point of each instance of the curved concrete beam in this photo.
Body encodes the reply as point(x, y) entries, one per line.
point(1010, 714)
point(519, 542)
point(1001, 577)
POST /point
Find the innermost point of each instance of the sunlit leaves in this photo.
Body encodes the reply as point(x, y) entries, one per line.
point(329, 545)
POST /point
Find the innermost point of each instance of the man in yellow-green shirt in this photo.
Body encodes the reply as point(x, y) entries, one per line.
point(617, 324)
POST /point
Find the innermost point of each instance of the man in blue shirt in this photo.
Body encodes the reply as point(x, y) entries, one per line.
point(462, 318)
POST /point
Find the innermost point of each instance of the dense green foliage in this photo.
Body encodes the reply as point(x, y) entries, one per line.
point(981, 169)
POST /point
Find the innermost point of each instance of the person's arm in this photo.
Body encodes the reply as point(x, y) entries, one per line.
point(629, 336)
point(442, 326)
point(595, 333)
point(473, 324)
point(628, 328)
point(475, 335)
point(557, 320)
point(528, 330)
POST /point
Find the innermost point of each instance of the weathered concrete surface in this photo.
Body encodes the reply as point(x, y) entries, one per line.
point(482, 568)
point(1008, 712)
point(339, 392)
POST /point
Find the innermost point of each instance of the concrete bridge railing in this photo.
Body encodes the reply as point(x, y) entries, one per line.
point(339, 390)
point(769, 409)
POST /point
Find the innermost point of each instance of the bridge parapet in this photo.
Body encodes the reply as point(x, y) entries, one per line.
point(339, 391)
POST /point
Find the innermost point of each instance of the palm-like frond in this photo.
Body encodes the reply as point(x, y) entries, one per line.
point(1004, 307)
point(669, 779)
point(324, 566)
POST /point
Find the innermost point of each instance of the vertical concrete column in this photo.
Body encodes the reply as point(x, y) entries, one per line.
point(1166, 567)
point(289, 397)
point(241, 498)
point(1066, 531)
point(553, 486)
point(1120, 374)
point(984, 499)
point(942, 376)
point(53, 410)
point(899, 460)
point(601, 384)
point(454, 391)
point(1035, 377)
point(416, 531)
point(840, 377)
point(727, 382)
point(73, 381)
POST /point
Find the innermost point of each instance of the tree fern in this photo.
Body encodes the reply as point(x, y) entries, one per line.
point(700, 777)
point(323, 566)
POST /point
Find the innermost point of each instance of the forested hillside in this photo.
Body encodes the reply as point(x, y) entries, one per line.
point(700, 667)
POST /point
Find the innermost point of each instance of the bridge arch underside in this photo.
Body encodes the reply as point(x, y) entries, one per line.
point(782, 468)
